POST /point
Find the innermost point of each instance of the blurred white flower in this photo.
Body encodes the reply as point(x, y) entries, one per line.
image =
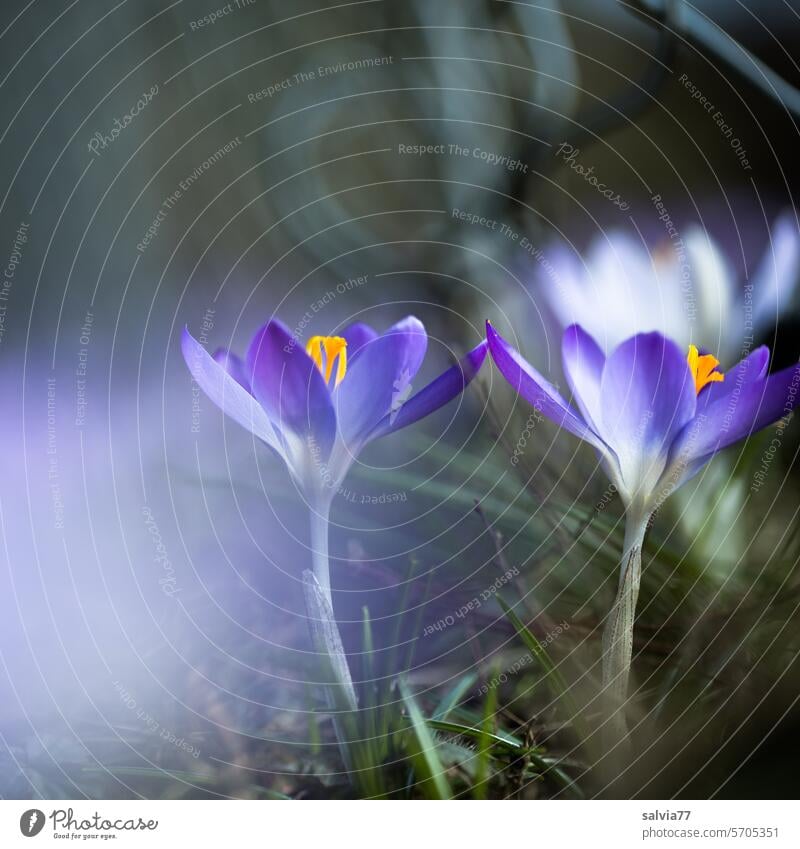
point(686, 289)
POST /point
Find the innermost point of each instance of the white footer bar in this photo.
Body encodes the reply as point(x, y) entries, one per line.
point(401, 824)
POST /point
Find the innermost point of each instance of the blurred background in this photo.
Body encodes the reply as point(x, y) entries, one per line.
point(626, 165)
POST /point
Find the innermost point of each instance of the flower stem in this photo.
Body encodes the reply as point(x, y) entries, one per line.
point(618, 631)
point(338, 684)
point(319, 513)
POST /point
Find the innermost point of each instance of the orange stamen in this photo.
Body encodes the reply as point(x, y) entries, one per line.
point(703, 368)
point(327, 350)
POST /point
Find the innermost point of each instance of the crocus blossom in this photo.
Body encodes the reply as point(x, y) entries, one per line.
point(318, 405)
point(655, 417)
point(655, 414)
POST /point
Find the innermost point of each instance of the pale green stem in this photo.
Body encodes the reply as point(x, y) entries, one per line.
point(618, 631)
point(339, 689)
point(319, 512)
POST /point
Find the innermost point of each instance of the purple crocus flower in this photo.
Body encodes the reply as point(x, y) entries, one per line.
point(655, 416)
point(318, 406)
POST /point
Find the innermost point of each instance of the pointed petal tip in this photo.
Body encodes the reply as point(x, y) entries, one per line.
point(470, 364)
point(492, 336)
point(761, 356)
point(575, 333)
point(409, 324)
point(190, 347)
point(481, 349)
point(650, 340)
point(275, 327)
point(358, 334)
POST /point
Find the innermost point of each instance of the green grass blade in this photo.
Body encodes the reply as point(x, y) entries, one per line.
point(484, 757)
point(553, 677)
point(497, 738)
point(427, 762)
point(452, 698)
point(373, 748)
point(504, 743)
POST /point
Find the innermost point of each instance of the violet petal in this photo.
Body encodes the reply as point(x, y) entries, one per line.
point(234, 365)
point(583, 363)
point(537, 391)
point(740, 413)
point(226, 392)
point(291, 388)
point(357, 335)
point(436, 394)
point(648, 396)
point(378, 379)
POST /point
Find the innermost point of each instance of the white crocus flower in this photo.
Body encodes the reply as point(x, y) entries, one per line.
point(686, 289)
